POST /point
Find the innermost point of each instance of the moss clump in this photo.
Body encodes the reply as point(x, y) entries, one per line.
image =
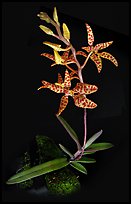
point(62, 182)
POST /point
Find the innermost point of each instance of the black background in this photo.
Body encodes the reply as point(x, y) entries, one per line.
point(27, 112)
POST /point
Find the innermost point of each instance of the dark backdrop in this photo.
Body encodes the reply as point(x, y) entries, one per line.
point(27, 112)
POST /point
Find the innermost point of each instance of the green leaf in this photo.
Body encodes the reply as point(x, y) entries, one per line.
point(98, 146)
point(38, 170)
point(79, 167)
point(88, 152)
point(55, 16)
point(69, 130)
point(86, 160)
point(93, 138)
point(65, 150)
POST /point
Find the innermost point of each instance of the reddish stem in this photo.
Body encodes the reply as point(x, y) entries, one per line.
point(79, 153)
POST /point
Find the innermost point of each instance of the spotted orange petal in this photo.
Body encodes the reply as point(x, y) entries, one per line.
point(65, 55)
point(49, 56)
point(101, 46)
point(63, 104)
point(83, 88)
point(96, 58)
point(90, 35)
point(71, 58)
point(108, 56)
point(81, 53)
point(67, 80)
point(88, 49)
point(53, 87)
point(60, 80)
point(82, 102)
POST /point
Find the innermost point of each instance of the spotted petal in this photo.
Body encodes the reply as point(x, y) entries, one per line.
point(65, 55)
point(108, 56)
point(82, 102)
point(72, 76)
point(88, 49)
point(67, 80)
point(96, 58)
point(49, 56)
point(90, 35)
point(60, 80)
point(83, 88)
point(63, 104)
point(53, 87)
point(101, 46)
point(81, 53)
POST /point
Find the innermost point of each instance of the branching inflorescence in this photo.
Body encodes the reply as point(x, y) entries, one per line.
point(69, 56)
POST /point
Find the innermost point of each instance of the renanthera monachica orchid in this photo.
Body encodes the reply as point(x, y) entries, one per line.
point(66, 56)
point(78, 93)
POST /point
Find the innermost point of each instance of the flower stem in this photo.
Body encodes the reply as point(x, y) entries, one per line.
point(86, 60)
point(79, 153)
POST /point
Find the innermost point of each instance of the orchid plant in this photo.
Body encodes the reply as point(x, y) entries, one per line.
point(78, 94)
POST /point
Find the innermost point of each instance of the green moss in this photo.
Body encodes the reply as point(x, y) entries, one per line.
point(62, 182)
point(47, 149)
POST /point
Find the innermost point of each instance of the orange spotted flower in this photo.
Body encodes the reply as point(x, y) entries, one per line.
point(96, 56)
point(78, 92)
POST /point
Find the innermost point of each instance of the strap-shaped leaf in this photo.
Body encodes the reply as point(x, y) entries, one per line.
point(86, 160)
point(56, 46)
point(66, 32)
point(39, 170)
point(65, 150)
point(79, 167)
point(46, 30)
point(88, 152)
point(69, 130)
point(93, 138)
point(97, 147)
point(55, 16)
